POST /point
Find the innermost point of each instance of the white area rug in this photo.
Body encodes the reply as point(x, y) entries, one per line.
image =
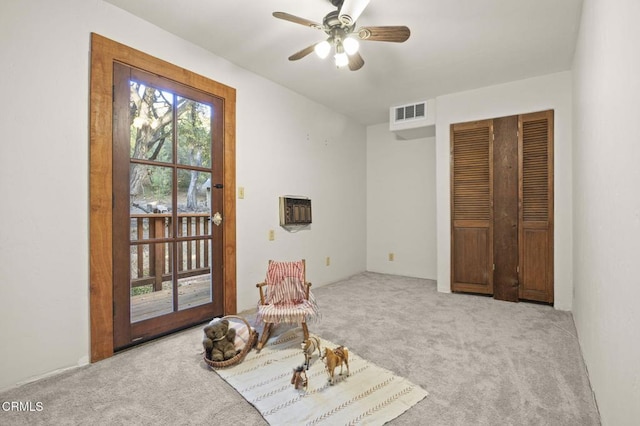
point(369, 395)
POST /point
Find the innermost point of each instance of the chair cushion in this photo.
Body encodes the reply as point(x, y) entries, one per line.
point(287, 313)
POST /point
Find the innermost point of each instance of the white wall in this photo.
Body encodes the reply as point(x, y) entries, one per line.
point(401, 204)
point(606, 154)
point(285, 145)
point(535, 94)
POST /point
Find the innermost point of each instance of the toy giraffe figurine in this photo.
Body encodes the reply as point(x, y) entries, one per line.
point(299, 379)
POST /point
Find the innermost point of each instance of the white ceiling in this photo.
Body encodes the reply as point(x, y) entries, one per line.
point(455, 45)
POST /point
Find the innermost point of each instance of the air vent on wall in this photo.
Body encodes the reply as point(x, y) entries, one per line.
point(411, 112)
point(414, 120)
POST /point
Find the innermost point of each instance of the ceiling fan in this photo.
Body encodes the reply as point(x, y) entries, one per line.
point(340, 26)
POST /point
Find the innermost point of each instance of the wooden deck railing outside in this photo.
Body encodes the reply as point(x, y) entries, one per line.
point(151, 260)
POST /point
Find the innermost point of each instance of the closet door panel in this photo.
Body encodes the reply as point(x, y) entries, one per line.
point(534, 265)
point(471, 207)
point(471, 257)
point(535, 152)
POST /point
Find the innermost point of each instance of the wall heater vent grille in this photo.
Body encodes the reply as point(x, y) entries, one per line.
point(411, 112)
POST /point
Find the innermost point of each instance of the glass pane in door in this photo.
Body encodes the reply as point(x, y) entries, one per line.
point(194, 231)
point(151, 123)
point(151, 287)
point(194, 133)
point(195, 290)
point(150, 228)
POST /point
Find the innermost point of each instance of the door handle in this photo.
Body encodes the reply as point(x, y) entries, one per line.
point(217, 218)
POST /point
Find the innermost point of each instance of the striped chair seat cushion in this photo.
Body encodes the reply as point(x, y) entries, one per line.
point(288, 313)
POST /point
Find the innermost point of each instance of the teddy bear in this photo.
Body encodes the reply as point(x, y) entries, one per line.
point(219, 340)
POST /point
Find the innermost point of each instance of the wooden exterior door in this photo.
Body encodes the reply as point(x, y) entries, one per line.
point(168, 199)
point(502, 207)
point(104, 209)
point(471, 207)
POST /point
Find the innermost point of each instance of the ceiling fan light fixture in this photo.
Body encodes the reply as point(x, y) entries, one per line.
point(342, 60)
point(350, 45)
point(322, 49)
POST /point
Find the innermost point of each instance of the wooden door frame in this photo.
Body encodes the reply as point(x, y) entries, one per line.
point(104, 53)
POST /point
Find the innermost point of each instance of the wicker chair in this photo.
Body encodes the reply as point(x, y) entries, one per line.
point(285, 297)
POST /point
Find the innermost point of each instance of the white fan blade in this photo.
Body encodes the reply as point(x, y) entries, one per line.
point(351, 11)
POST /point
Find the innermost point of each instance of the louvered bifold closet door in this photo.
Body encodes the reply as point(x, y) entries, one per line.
point(471, 207)
point(535, 152)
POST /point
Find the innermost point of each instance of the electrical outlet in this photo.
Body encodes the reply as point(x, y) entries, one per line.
point(272, 235)
point(392, 257)
point(328, 261)
point(241, 192)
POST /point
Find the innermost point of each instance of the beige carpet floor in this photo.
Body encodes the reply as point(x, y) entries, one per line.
point(484, 362)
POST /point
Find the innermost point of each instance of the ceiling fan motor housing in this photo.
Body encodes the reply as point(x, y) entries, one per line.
point(336, 28)
point(332, 20)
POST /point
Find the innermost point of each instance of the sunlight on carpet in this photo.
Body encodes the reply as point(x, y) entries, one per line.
point(369, 395)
